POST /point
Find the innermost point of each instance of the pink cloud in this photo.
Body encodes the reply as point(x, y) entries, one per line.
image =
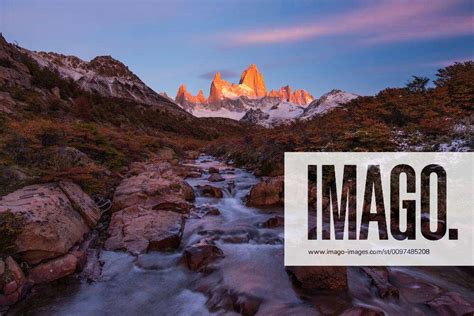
point(385, 21)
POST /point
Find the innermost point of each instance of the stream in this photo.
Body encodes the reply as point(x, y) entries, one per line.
point(158, 283)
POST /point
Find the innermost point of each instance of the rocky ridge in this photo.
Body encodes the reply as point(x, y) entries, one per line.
point(103, 75)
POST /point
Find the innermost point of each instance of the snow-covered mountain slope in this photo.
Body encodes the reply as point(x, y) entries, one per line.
point(284, 112)
point(271, 111)
point(277, 114)
point(103, 75)
point(232, 108)
point(327, 102)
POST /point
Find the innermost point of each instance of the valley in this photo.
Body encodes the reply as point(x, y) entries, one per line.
point(119, 199)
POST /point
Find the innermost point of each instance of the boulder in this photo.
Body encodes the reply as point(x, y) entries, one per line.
point(273, 222)
point(414, 289)
point(205, 210)
point(380, 279)
point(151, 187)
point(321, 277)
point(13, 283)
point(193, 174)
point(52, 220)
point(451, 303)
point(54, 269)
point(215, 177)
point(213, 211)
point(137, 230)
point(213, 170)
point(269, 192)
point(362, 311)
point(233, 301)
point(198, 256)
point(81, 202)
point(210, 191)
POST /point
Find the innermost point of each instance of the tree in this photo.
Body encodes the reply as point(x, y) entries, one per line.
point(418, 84)
point(458, 82)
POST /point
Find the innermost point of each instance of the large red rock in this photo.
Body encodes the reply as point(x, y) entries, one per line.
point(13, 283)
point(152, 186)
point(210, 191)
point(137, 230)
point(53, 218)
point(380, 278)
point(215, 177)
point(149, 208)
point(54, 269)
point(329, 278)
point(81, 202)
point(198, 256)
point(451, 303)
point(362, 311)
point(269, 192)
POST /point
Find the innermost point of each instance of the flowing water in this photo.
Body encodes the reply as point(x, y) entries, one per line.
point(158, 283)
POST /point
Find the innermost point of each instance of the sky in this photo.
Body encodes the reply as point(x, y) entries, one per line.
point(360, 46)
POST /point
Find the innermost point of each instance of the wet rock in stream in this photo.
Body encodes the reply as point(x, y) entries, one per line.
point(210, 191)
point(197, 257)
point(138, 230)
point(215, 177)
point(149, 209)
point(321, 277)
point(380, 279)
point(269, 192)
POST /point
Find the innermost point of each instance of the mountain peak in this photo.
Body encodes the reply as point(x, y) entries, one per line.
point(251, 86)
point(253, 79)
point(111, 67)
point(300, 97)
point(185, 98)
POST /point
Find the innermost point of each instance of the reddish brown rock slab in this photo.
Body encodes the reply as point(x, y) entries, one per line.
point(232, 301)
point(170, 203)
point(269, 192)
point(273, 222)
point(213, 170)
point(215, 177)
point(380, 279)
point(153, 186)
point(210, 191)
point(81, 202)
point(329, 278)
point(362, 311)
point(10, 288)
point(137, 230)
point(212, 211)
point(54, 269)
point(451, 304)
point(198, 256)
point(13, 283)
point(50, 224)
point(193, 174)
point(414, 290)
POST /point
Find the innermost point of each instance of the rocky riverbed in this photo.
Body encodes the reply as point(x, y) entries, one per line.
point(203, 237)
